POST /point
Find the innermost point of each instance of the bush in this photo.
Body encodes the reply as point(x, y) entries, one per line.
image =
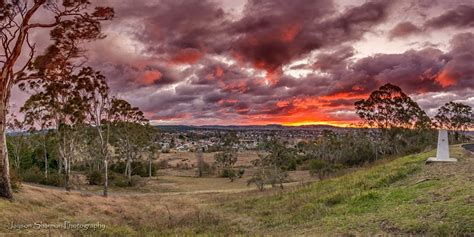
point(138, 168)
point(122, 181)
point(32, 175)
point(228, 173)
point(232, 173)
point(95, 177)
point(241, 173)
point(118, 167)
point(15, 180)
point(322, 168)
point(135, 180)
point(54, 179)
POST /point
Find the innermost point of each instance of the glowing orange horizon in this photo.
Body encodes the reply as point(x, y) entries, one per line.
point(329, 123)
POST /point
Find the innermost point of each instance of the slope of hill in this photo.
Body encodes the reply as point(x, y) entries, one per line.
point(403, 196)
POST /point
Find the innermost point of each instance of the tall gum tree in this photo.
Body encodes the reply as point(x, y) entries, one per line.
point(16, 23)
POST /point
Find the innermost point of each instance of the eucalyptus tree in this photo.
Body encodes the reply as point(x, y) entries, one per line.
point(68, 17)
point(17, 142)
point(272, 164)
point(393, 112)
point(39, 128)
point(455, 116)
point(63, 105)
point(390, 107)
point(99, 115)
point(152, 149)
point(130, 132)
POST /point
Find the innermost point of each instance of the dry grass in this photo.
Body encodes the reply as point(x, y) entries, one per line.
point(122, 215)
point(244, 158)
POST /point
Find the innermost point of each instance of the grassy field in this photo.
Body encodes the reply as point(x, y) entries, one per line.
point(403, 196)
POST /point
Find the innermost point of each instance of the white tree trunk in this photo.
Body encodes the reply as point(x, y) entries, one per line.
point(5, 184)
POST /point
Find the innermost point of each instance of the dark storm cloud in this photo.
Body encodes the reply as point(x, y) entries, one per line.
point(460, 65)
point(460, 17)
point(325, 62)
point(413, 70)
point(273, 33)
point(417, 72)
point(177, 25)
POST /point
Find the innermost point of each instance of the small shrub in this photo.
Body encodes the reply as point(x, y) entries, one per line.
point(118, 167)
point(229, 173)
point(322, 168)
point(134, 181)
point(123, 182)
point(15, 180)
point(32, 175)
point(241, 173)
point(95, 177)
point(54, 179)
point(35, 175)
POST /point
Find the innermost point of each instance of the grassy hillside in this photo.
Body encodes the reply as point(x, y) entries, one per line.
point(403, 196)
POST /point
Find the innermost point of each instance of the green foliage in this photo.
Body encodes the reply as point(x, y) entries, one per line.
point(139, 168)
point(240, 173)
point(120, 180)
point(95, 177)
point(228, 173)
point(34, 175)
point(15, 179)
point(390, 107)
point(54, 179)
point(272, 167)
point(232, 174)
point(225, 159)
point(322, 168)
point(455, 116)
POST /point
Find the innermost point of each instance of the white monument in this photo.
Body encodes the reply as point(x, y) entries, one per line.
point(442, 153)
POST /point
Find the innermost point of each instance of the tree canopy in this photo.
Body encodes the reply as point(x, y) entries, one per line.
point(390, 107)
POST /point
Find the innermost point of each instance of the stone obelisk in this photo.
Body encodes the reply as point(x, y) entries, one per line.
point(442, 153)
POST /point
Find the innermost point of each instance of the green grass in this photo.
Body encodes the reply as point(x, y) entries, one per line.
point(387, 198)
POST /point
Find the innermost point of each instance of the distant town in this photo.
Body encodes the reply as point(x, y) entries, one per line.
point(180, 138)
point(183, 138)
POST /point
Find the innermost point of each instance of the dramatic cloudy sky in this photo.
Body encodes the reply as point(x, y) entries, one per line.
point(281, 61)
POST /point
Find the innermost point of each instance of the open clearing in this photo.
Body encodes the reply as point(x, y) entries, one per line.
point(403, 196)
